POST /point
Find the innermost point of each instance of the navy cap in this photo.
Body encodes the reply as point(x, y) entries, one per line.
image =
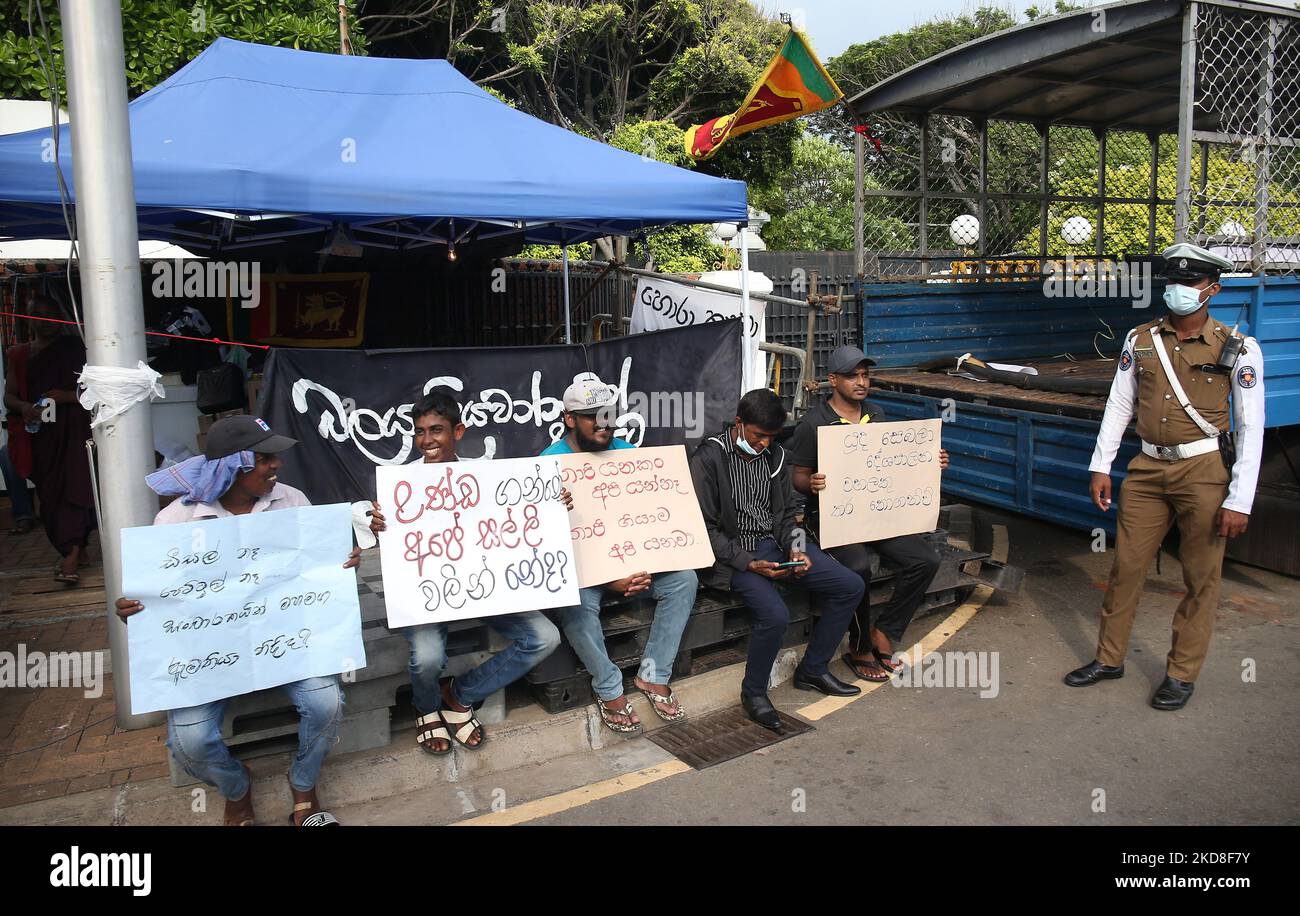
point(847, 358)
point(243, 433)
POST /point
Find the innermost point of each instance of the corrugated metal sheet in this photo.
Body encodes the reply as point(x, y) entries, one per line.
point(913, 323)
point(1029, 462)
point(1270, 312)
point(910, 324)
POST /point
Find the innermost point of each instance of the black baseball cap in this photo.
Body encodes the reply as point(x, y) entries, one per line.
point(243, 433)
point(847, 358)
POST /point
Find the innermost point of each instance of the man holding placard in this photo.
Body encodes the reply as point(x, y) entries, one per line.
point(237, 475)
point(871, 642)
point(743, 482)
point(589, 409)
point(445, 709)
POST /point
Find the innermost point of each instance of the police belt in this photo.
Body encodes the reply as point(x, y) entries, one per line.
point(1179, 452)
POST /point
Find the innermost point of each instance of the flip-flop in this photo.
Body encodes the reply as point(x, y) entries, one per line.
point(67, 578)
point(316, 818)
point(607, 714)
point(886, 661)
point(858, 668)
point(657, 701)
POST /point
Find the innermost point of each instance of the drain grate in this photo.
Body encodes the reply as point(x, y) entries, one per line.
point(722, 736)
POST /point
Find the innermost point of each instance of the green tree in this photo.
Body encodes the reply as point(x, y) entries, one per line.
point(594, 66)
point(674, 249)
point(811, 205)
point(160, 37)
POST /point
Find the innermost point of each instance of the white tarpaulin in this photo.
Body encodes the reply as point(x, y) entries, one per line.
point(661, 304)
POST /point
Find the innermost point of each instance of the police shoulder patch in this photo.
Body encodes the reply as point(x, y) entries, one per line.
point(1246, 377)
point(1125, 361)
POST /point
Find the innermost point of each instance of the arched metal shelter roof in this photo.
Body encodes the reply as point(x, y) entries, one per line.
point(1111, 66)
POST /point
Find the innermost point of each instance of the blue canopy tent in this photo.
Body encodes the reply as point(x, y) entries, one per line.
point(248, 144)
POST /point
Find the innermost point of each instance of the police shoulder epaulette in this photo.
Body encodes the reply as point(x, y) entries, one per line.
point(1143, 327)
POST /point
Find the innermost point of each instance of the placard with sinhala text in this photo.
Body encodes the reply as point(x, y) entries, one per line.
point(474, 539)
point(634, 510)
point(233, 605)
point(882, 480)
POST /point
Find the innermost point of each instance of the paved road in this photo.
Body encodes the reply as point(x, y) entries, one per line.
point(1037, 752)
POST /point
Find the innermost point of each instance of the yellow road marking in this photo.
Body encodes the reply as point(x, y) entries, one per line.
point(929, 643)
point(576, 798)
point(585, 795)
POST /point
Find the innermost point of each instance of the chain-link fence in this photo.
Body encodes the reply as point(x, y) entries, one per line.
point(964, 199)
point(1245, 191)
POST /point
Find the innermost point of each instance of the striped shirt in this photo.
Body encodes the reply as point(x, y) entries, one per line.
point(751, 490)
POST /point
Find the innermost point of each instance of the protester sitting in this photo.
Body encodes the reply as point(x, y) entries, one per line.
point(871, 643)
point(742, 480)
point(42, 371)
point(589, 408)
point(236, 475)
point(445, 708)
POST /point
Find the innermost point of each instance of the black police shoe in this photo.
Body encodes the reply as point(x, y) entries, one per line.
point(826, 683)
point(1093, 672)
point(761, 710)
point(1173, 694)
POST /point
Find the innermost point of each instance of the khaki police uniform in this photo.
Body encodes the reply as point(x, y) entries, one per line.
point(1165, 486)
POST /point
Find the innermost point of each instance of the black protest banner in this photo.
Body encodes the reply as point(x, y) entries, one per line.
point(350, 409)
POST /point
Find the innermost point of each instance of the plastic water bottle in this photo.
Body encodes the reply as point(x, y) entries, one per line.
point(34, 428)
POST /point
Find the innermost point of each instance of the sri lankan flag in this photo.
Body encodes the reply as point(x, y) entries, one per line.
point(794, 84)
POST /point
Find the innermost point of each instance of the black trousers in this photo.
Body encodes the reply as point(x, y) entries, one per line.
point(916, 562)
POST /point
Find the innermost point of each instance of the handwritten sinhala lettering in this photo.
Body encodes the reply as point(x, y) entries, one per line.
point(278, 646)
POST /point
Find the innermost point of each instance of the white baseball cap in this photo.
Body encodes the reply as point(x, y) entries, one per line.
point(588, 394)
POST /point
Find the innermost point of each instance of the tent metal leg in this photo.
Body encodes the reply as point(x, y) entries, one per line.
point(744, 309)
point(568, 316)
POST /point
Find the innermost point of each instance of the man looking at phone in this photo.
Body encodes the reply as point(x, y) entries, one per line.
point(742, 480)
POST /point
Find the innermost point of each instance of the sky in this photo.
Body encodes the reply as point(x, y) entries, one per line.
point(833, 25)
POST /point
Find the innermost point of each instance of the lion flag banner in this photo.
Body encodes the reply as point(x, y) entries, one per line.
point(794, 84)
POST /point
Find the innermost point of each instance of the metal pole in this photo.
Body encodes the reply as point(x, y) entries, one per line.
point(859, 168)
point(110, 287)
point(744, 309)
point(1155, 192)
point(1186, 110)
point(1263, 154)
point(568, 318)
point(1044, 142)
point(923, 209)
point(1101, 198)
point(982, 204)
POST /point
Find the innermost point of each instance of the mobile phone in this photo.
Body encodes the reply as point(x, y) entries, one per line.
point(792, 564)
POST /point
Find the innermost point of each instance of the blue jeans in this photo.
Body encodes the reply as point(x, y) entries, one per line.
point(19, 498)
point(841, 588)
point(674, 594)
point(194, 736)
point(532, 638)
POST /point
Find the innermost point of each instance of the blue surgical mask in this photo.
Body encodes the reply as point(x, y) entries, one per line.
point(743, 444)
point(1182, 300)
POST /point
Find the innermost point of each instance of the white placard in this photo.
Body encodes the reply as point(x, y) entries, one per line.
point(474, 539)
point(661, 304)
point(634, 510)
point(237, 604)
point(882, 480)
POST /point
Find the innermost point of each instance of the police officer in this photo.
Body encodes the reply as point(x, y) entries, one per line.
point(1177, 375)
